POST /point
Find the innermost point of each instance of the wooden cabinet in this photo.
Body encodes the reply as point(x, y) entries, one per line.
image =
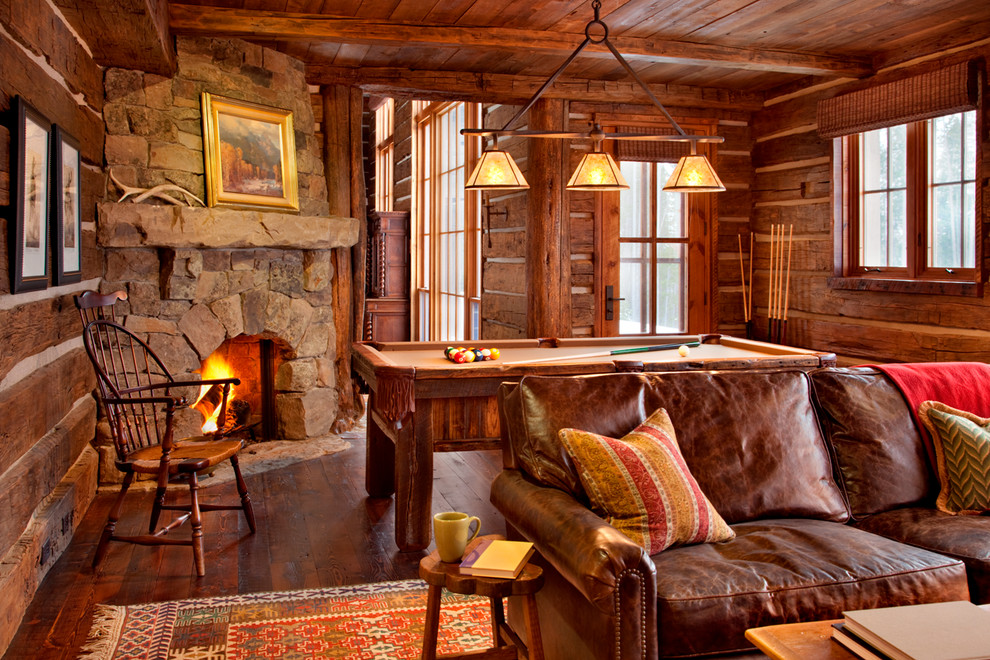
point(387, 306)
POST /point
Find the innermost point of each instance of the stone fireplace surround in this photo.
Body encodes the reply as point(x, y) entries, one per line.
point(197, 277)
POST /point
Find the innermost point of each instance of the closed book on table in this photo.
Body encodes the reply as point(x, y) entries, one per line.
point(957, 630)
point(497, 558)
point(859, 647)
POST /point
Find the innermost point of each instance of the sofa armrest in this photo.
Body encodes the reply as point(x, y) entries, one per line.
point(604, 565)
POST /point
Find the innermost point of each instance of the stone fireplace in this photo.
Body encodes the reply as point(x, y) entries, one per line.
point(202, 281)
point(230, 281)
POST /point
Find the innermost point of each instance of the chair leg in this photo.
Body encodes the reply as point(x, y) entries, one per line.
point(246, 504)
point(108, 529)
point(196, 519)
point(156, 509)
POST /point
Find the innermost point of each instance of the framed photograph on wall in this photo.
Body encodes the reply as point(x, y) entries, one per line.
point(30, 153)
point(250, 153)
point(66, 212)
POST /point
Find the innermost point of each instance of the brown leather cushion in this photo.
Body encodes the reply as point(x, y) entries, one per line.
point(962, 537)
point(750, 438)
point(879, 451)
point(708, 595)
point(202, 454)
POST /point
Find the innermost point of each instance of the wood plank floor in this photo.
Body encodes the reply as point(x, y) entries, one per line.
point(316, 528)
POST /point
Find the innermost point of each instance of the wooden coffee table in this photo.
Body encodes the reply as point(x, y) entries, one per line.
point(802, 641)
point(799, 641)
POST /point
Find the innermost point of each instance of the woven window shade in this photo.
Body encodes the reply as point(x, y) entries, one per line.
point(652, 152)
point(933, 94)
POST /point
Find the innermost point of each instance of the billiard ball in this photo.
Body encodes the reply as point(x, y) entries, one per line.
point(683, 351)
point(494, 353)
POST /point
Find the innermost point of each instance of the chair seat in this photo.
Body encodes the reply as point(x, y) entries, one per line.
point(189, 455)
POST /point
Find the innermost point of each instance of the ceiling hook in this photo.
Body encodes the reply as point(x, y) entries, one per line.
point(596, 5)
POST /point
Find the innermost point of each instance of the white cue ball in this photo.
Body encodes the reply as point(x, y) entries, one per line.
point(683, 351)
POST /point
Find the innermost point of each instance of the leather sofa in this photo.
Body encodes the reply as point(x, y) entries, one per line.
point(822, 475)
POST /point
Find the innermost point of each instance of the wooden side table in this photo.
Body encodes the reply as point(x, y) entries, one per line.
point(439, 575)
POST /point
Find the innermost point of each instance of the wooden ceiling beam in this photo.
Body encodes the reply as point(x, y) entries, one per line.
point(286, 26)
point(505, 88)
point(132, 34)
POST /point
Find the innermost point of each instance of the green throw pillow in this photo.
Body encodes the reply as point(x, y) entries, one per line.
point(962, 454)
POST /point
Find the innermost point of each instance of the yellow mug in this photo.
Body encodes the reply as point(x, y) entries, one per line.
point(452, 532)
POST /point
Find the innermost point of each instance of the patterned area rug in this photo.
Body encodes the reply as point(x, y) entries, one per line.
point(368, 621)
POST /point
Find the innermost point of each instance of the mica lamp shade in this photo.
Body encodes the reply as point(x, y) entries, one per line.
point(496, 171)
point(693, 174)
point(597, 171)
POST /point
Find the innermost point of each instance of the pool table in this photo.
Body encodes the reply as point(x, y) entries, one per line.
point(421, 403)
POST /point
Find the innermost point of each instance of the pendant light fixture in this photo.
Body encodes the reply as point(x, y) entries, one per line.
point(496, 170)
point(693, 174)
point(597, 171)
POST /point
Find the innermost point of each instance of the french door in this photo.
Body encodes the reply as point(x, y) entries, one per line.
point(656, 249)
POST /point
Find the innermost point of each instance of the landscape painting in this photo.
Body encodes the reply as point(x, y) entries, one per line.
point(250, 155)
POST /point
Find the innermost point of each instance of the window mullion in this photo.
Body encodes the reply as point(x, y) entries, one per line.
point(917, 217)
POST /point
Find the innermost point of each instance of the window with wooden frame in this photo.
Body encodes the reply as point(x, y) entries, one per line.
point(655, 273)
point(906, 192)
point(447, 236)
point(384, 155)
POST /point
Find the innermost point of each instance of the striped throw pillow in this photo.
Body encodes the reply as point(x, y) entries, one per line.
point(641, 485)
point(962, 457)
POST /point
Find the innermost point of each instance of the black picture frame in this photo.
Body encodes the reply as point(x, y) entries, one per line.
point(66, 208)
point(30, 160)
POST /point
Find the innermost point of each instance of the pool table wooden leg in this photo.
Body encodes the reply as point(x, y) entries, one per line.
point(379, 464)
point(414, 482)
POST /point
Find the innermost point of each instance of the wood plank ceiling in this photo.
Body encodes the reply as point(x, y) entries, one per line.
point(509, 46)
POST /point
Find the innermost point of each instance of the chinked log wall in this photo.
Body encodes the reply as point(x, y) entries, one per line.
point(47, 414)
point(793, 173)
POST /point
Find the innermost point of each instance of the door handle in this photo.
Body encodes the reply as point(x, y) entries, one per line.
point(610, 302)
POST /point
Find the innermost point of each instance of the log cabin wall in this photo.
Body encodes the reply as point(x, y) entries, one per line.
point(504, 218)
point(402, 192)
point(47, 468)
point(793, 185)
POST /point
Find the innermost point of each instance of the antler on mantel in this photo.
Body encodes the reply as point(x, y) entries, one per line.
point(160, 191)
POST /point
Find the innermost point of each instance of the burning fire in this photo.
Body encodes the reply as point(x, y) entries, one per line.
point(210, 396)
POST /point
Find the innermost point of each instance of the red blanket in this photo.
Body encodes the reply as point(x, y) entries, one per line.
point(962, 385)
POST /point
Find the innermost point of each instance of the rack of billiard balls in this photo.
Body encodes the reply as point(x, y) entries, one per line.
point(462, 355)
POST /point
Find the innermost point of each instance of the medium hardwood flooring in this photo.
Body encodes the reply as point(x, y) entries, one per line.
point(316, 528)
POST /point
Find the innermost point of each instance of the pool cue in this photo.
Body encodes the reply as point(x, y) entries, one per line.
point(773, 228)
point(787, 285)
point(618, 351)
point(749, 309)
point(780, 279)
point(742, 277)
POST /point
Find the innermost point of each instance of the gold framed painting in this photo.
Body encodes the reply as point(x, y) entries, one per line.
point(250, 153)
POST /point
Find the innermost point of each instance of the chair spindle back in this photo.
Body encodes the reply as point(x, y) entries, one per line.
point(126, 368)
point(93, 305)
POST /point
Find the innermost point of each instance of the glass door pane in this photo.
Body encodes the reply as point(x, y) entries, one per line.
point(634, 287)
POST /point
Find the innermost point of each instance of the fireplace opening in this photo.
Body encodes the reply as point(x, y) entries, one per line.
point(251, 405)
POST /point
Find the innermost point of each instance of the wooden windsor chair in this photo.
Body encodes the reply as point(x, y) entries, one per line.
point(136, 390)
point(93, 305)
